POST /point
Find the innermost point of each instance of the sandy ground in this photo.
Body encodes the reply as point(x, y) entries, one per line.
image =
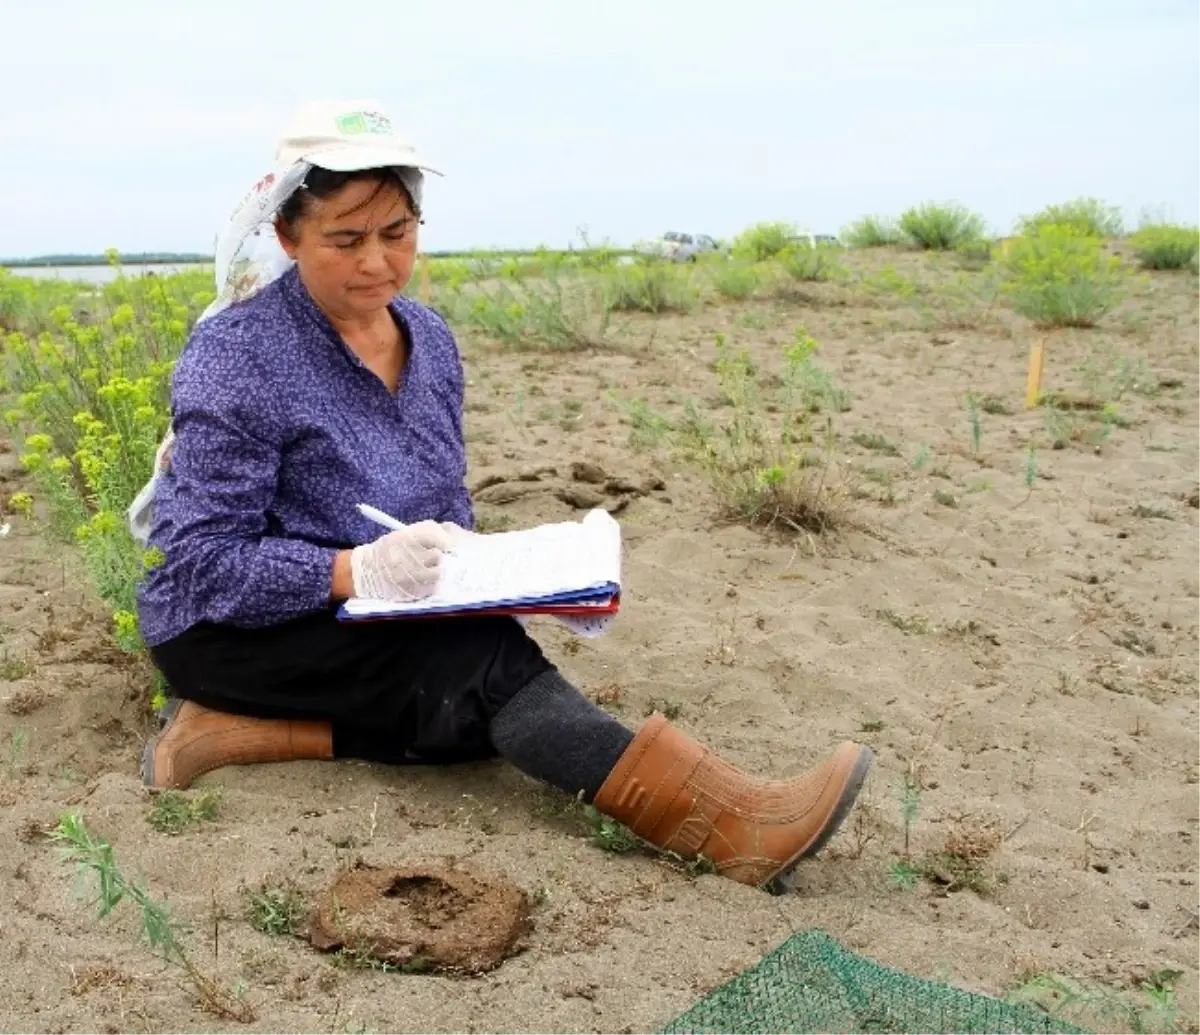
point(1030, 658)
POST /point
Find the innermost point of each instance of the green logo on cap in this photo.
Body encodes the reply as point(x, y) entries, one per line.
point(362, 122)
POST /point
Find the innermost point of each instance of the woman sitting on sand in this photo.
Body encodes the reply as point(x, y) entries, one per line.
point(297, 398)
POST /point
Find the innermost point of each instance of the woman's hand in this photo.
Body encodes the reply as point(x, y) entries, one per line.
point(456, 533)
point(402, 565)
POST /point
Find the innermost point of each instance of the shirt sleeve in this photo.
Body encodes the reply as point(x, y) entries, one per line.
point(460, 508)
point(224, 468)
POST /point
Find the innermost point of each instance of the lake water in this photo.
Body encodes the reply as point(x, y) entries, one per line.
point(102, 274)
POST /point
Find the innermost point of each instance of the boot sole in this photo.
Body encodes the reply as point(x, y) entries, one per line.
point(165, 718)
point(785, 878)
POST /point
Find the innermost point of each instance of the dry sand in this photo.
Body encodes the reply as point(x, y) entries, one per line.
point(1030, 658)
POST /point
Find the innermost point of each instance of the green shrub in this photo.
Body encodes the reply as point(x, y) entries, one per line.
point(940, 227)
point(975, 251)
point(1060, 278)
point(736, 278)
point(1089, 217)
point(1166, 246)
point(649, 287)
point(871, 232)
point(546, 314)
point(802, 261)
point(763, 241)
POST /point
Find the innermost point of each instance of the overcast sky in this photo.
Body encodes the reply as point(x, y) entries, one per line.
point(138, 125)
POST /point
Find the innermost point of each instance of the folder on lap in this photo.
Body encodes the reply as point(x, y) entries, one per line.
point(563, 568)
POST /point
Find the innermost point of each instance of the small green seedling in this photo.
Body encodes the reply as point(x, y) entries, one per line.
point(1030, 470)
point(670, 709)
point(18, 741)
point(275, 910)
point(93, 855)
point(609, 835)
point(975, 420)
point(904, 874)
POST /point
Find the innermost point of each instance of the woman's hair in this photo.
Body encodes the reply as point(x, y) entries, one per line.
point(324, 183)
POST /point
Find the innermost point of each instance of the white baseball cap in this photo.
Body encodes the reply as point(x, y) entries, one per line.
point(345, 136)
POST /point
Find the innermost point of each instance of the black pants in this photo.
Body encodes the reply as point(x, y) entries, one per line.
point(411, 690)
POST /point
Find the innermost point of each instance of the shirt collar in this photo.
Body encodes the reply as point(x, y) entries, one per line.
point(298, 297)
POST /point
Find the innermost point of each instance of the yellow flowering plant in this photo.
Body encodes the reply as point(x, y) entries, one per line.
point(89, 402)
point(1059, 276)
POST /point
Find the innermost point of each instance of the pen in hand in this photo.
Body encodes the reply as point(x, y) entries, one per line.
point(379, 517)
point(386, 520)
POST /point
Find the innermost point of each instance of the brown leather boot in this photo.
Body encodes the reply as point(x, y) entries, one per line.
point(195, 740)
point(675, 794)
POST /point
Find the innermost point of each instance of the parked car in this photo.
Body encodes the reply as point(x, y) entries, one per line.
point(818, 240)
point(677, 247)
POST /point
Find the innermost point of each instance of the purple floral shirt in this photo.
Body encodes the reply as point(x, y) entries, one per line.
point(279, 431)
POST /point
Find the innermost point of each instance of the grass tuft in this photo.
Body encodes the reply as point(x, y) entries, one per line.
point(757, 454)
point(174, 811)
point(275, 910)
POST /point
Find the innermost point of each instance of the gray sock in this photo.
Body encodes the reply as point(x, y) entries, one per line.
point(549, 730)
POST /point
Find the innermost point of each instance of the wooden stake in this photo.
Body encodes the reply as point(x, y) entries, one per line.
point(1033, 383)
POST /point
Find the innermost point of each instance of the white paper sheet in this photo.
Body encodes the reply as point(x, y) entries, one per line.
point(563, 557)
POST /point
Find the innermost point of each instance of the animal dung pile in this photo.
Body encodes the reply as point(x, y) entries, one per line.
point(422, 918)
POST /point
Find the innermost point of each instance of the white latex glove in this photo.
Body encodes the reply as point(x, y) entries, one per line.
point(456, 533)
point(402, 565)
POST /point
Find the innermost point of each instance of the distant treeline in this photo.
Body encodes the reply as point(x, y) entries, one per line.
point(180, 258)
point(132, 258)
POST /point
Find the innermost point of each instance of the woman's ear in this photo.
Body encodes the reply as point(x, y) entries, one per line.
point(285, 242)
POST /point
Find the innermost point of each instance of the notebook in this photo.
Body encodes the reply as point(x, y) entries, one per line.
point(566, 568)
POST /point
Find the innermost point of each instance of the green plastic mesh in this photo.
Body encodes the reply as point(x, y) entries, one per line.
point(811, 984)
